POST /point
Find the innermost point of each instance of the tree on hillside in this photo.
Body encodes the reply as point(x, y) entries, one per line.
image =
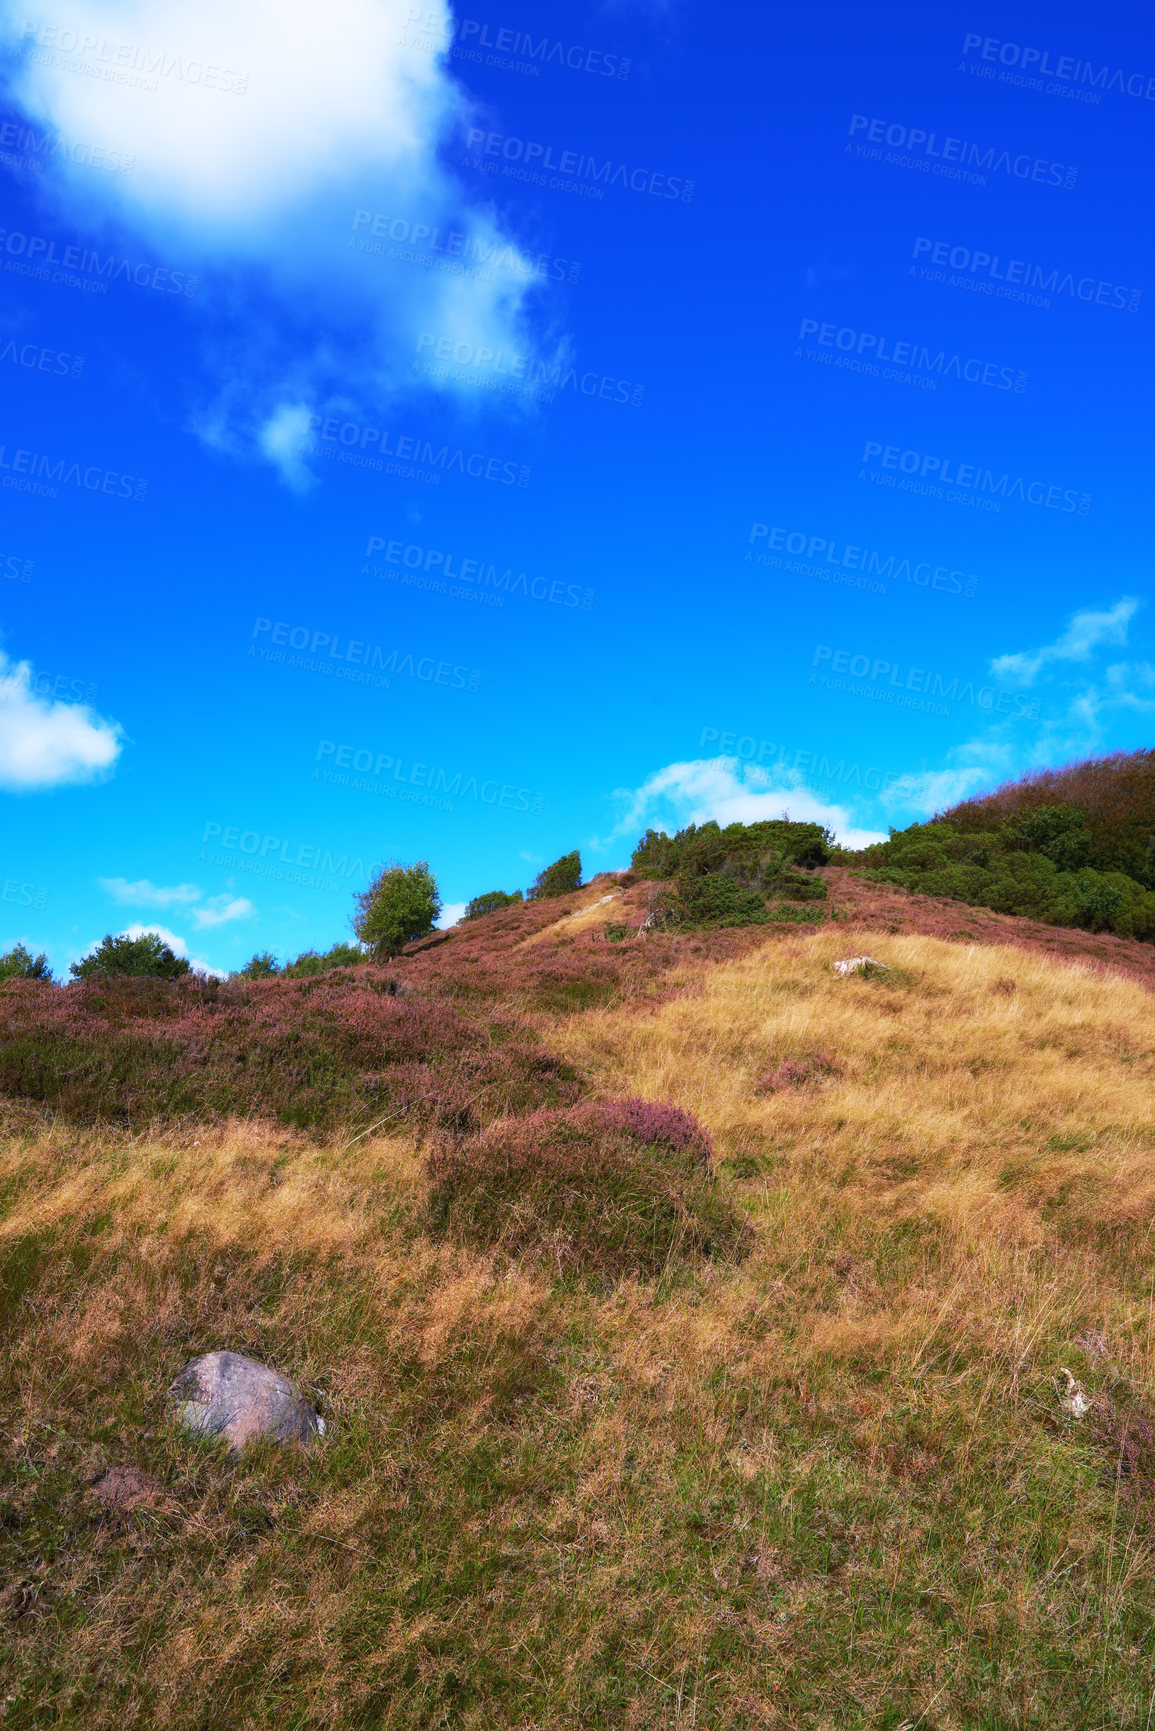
point(558, 879)
point(261, 966)
point(146, 957)
point(401, 903)
point(490, 902)
point(21, 964)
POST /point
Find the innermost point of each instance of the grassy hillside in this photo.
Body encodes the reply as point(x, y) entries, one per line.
point(809, 1467)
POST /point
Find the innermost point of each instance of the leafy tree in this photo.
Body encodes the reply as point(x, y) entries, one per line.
point(21, 964)
point(402, 903)
point(558, 879)
point(490, 902)
point(313, 962)
point(146, 957)
point(262, 966)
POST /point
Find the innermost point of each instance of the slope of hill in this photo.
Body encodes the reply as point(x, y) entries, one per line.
point(809, 1466)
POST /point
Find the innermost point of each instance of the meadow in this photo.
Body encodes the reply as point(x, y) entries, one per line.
point(817, 1471)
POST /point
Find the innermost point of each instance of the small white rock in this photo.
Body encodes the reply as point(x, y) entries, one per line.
point(858, 964)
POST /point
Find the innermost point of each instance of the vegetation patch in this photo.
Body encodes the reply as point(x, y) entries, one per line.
point(314, 1052)
point(608, 1187)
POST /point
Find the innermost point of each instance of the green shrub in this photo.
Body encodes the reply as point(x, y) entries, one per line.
point(317, 962)
point(711, 902)
point(490, 903)
point(21, 964)
point(261, 966)
point(402, 903)
point(558, 879)
point(754, 853)
point(146, 957)
point(1028, 867)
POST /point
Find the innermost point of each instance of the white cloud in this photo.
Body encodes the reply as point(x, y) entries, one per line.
point(44, 743)
point(339, 114)
point(451, 914)
point(1086, 632)
point(143, 894)
point(218, 910)
point(726, 790)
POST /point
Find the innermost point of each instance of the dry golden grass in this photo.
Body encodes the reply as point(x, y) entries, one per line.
point(829, 1486)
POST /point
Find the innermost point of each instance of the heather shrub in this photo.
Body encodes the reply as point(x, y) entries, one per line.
point(21, 964)
point(558, 879)
point(400, 905)
point(490, 903)
point(143, 957)
point(313, 1052)
point(604, 1189)
point(804, 1071)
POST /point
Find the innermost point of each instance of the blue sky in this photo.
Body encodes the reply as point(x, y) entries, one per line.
point(457, 436)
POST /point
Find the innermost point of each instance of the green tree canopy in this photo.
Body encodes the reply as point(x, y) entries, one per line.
point(21, 964)
point(558, 879)
point(146, 957)
point(401, 903)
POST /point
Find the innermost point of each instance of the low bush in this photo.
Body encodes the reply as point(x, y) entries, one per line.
point(490, 903)
point(606, 1188)
point(311, 962)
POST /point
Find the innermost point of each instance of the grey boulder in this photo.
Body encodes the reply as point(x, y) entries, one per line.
point(225, 1394)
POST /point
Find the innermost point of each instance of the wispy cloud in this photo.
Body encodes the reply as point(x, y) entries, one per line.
point(219, 910)
point(45, 743)
point(144, 894)
point(1086, 632)
point(726, 790)
point(216, 911)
